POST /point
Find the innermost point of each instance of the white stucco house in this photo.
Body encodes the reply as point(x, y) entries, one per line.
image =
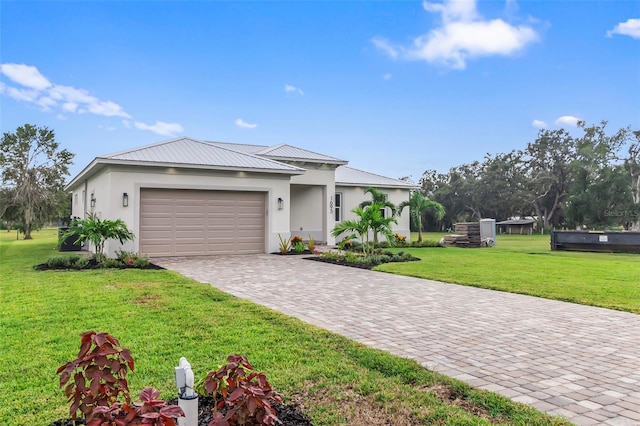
point(186, 197)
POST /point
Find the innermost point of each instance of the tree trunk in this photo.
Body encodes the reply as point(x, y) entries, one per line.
point(28, 217)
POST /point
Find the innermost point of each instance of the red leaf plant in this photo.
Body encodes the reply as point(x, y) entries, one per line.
point(246, 397)
point(97, 377)
point(150, 411)
point(95, 380)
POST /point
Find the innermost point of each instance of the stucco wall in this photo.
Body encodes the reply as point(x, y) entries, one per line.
point(306, 211)
point(352, 196)
point(113, 181)
point(322, 178)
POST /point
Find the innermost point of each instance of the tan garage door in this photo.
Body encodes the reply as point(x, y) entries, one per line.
point(182, 222)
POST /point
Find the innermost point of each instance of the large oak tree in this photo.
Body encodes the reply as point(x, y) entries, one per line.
point(32, 168)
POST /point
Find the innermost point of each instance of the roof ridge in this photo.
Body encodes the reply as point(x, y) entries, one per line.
point(151, 145)
point(270, 148)
point(235, 143)
point(250, 155)
point(376, 174)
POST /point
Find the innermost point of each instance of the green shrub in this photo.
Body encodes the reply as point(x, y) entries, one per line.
point(111, 263)
point(64, 262)
point(298, 247)
point(331, 255)
point(141, 262)
point(59, 262)
point(285, 244)
point(81, 263)
point(311, 244)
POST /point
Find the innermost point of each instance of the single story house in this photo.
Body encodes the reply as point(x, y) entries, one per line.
point(187, 197)
point(517, 226)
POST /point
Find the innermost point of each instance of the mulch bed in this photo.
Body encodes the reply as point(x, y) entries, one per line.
point(352, 265)
point(292, 252)
point(290, 415)
point(94, 265)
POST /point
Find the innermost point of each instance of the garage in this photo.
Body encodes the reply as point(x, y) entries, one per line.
point(184, 222)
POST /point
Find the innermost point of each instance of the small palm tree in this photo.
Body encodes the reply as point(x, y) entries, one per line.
point(98, 231)
point(369, 220)
point(379, 198)
point(419, 204)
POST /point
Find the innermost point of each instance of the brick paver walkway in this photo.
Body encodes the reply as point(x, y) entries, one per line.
point(575, 361)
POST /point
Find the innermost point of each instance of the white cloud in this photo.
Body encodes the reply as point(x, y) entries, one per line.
point(629, 28)
point(161, 128)
point(69, 107)
point(38, 90)
point(25, 95)
point(539, 124)
point(241, 123)
point(387, 76)
point(462, 35)
point(25, 75)
point(292, 89)
point(568, 120)
point(384, 45)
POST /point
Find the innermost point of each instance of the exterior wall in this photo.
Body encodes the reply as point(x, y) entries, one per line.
point(111, 182)
point(323, 177)
point(352, 196)
point(306, 211)
point(98, 188)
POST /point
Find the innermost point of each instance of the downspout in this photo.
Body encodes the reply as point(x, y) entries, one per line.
point(84, 202)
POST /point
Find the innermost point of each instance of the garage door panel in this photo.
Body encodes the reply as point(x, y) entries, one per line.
point(194, 222)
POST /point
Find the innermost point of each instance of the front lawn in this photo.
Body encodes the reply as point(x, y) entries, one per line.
point(162, 316)
point(525, 264)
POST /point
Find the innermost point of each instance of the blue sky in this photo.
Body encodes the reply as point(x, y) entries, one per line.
point(393, 87)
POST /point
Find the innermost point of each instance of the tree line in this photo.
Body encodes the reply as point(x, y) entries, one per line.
point(590, 181)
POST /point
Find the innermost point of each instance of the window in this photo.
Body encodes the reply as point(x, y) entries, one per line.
point(337, 209)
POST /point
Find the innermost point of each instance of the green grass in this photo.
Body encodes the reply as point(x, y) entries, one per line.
point(525, 264)
point(162, 316)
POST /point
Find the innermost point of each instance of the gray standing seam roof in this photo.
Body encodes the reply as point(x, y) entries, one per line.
point(192, 152)
point(349, 176)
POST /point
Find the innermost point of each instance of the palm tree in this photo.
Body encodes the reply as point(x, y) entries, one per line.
point(419, 204)
point(380, 198)
point(369, 220)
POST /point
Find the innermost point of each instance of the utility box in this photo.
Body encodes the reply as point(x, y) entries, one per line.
point(68, 244)
point(488, 231)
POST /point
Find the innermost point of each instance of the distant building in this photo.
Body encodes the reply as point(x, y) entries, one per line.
point(517, 226)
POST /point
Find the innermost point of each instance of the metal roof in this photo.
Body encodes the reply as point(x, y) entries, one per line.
point(516, 222)
point(292, 153)
point(186, 151)
point(348, 176)
point(239, 147)
point(281, 152)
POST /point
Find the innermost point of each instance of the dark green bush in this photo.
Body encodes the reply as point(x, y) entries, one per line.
point(111, 263)
point(67, 262)
point(141, 262)
point(81, 263)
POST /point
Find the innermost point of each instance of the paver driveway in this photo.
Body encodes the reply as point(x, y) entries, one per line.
point(576, 361)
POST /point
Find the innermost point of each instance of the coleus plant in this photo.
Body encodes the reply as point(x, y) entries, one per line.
point(97, 377)
point(150, 411)
point(246, 396)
